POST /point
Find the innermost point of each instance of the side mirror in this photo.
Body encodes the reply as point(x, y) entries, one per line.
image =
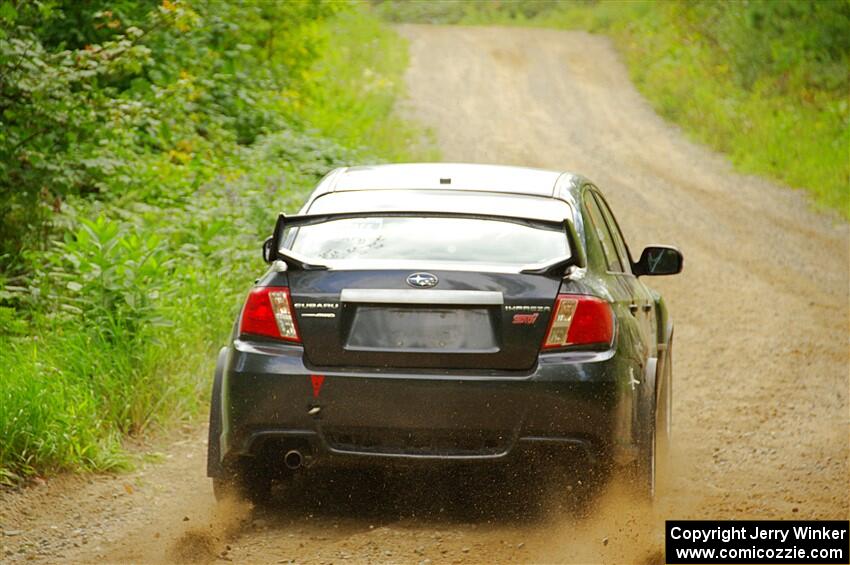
point(267, 249)
point(659, 260)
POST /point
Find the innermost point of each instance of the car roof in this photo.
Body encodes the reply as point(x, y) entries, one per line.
point(449, 176)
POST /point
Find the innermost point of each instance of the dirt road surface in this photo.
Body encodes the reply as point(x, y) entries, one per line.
point(761, 413)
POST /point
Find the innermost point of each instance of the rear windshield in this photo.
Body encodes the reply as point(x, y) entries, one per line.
point(460, 240)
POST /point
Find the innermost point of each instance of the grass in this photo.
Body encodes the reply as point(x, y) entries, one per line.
point(766, 83)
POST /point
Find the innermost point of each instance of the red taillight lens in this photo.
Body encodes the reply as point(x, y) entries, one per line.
point(268, 312)
point(579, 320)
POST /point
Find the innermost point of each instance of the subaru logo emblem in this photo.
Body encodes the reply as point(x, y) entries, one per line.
point(422, 280)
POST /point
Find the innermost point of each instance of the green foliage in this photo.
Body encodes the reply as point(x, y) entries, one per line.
point(52, 116)
point(796, 46)
point(194, 76)
point(779, 108)
point(765, 81)
point(365, 57)
point(465, 11)
point(107, 275)
point(141, 169)
point(46, 421)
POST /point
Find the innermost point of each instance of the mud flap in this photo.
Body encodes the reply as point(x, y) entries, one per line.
point(214, 466)
point(644, 464)
point(646, 410)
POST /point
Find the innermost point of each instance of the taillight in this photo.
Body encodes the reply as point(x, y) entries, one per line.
point(579, 320)
point(268, 312)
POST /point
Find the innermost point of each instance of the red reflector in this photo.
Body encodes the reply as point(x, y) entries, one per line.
point(317, 381)
point(579, 320)
point(268, 312)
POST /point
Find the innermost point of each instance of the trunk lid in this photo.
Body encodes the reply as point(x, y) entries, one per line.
point(467, 320)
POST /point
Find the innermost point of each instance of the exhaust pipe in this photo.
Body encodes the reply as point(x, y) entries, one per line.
point(293, 459)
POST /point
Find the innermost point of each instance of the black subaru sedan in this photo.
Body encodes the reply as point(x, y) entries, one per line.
point(445, 314)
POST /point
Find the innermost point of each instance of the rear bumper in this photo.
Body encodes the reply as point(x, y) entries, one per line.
point(271, 401)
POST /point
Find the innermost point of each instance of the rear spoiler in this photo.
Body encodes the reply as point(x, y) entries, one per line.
point(273, 250)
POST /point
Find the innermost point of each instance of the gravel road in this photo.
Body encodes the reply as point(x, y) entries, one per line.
point(761, 415)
